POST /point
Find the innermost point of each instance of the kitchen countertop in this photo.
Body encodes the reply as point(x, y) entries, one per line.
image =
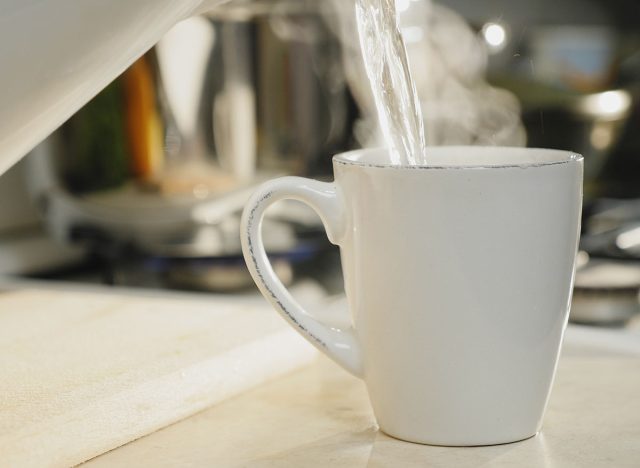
point(320, 416)
point(87, 370)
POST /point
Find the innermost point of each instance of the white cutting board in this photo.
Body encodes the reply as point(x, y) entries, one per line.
point(84, 372)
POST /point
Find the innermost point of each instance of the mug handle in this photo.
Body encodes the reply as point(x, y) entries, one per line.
point(340, 345)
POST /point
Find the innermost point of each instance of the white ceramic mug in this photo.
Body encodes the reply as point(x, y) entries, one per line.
point(458, 276)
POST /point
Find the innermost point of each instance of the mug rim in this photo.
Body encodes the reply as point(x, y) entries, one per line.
point(551, 157)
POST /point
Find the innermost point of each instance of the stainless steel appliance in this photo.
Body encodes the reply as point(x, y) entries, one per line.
point(162, 160)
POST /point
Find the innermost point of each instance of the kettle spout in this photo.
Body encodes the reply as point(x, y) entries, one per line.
point(208, 5)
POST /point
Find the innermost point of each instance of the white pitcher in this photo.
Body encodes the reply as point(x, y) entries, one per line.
point(55, 55)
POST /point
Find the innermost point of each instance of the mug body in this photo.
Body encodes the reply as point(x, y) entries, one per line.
point(459, 276)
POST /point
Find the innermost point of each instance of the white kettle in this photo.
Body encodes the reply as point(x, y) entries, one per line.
point(55, 55)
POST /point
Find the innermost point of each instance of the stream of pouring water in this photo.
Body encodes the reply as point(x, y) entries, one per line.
point(394, 91)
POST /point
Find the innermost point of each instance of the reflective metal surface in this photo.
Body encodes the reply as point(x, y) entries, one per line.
point(221, 103)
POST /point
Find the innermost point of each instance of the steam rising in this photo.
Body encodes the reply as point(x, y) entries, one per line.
point(448, 64)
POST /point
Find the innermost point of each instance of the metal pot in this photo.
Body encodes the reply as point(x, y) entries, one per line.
point(175, 144)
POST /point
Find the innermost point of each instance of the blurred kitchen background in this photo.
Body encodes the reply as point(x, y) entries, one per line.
point(143, 187)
